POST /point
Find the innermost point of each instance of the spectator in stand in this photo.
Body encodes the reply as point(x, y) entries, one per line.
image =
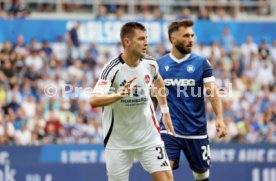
point(157, 14)
point(220, 15)
point(60, 50)
point(3, 95)
point(34, 60)
point(264, 7)
point(94, 51)
point(53, 125)
point(264, 50)
point(265, 74)
point(23, 136)
point(185, 14)
point(227, 40)
point(102, 12)
point(70, 6)
point(3, 13)
point(73, 41)
point(203, 14)
point(34, 45)
point(47, 50)
point(248, 48)
point(16, 10)
point(120, 13)
point(20, 46)
point(145, 13)
point(29, 107)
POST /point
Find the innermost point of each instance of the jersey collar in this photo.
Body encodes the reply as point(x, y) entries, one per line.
point(179, 60)
point(121, 59)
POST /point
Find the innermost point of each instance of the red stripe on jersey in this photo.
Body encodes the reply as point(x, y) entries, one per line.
point(154, 120)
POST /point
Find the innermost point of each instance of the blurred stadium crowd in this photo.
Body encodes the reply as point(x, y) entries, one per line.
point(214, 10)
point(29, 117)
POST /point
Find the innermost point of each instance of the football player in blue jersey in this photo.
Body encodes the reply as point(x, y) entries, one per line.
point(188, 77)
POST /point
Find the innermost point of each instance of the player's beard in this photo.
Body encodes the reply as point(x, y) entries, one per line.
point(182, 49)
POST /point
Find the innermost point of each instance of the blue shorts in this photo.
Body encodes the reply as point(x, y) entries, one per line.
point(197, 151)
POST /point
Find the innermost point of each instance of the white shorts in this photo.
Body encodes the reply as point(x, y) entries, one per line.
point(119, 162)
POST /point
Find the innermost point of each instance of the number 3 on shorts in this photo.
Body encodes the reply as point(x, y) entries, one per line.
point(162, 153)
point(206, 153)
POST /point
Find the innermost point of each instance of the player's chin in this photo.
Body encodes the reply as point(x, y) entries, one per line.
point(143, 53)
point(189, 49)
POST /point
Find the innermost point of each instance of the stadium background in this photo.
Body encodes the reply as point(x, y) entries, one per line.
point(54, 134)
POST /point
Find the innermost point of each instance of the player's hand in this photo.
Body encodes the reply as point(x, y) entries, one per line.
point(166, 118)
point(128, 88)
point(221, 128)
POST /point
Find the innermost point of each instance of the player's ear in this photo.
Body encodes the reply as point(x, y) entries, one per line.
point(126, 41)
point(172, 38)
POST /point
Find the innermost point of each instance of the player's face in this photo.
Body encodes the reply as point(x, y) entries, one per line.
point(183, 39)
point(139, 43)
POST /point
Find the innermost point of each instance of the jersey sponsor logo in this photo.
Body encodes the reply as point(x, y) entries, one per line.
point(179, 82)
point(147, 79)
point(135, 102)
point(190, 68)
point(167, 67)
point(103, 83)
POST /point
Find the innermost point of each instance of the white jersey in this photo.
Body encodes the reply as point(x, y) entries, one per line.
point(130, 122)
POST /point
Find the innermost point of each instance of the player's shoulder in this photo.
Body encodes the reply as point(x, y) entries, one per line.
point(163, 58)
point(148, 59)
point(114, 63)
point(197, 57)
point(111, 66)
point(200, 59)
point(113, 60)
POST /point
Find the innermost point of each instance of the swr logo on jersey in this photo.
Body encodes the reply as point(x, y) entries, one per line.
point(179, 82)
point(147, 78)
point(103, 82)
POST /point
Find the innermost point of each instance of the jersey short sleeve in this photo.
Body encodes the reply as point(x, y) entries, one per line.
point(106, 77)
point(155, 69)
point(207, 72)
point(153, 66)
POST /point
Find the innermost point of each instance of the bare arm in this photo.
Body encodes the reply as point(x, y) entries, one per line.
point(160, 92)
point(99, 100)
point(212, 93)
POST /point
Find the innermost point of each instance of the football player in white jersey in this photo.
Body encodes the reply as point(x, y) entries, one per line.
point(129, 123)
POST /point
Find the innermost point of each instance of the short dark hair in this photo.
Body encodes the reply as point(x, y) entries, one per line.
point(174, 26)
point(128, 28)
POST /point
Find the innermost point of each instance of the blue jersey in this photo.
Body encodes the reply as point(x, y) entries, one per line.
point(184, 79)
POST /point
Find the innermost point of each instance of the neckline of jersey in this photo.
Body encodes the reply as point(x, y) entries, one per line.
point(179, 60)
point(123, 62)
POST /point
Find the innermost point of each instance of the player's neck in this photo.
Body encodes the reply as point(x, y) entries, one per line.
point(130, 60)
point(178, 54)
